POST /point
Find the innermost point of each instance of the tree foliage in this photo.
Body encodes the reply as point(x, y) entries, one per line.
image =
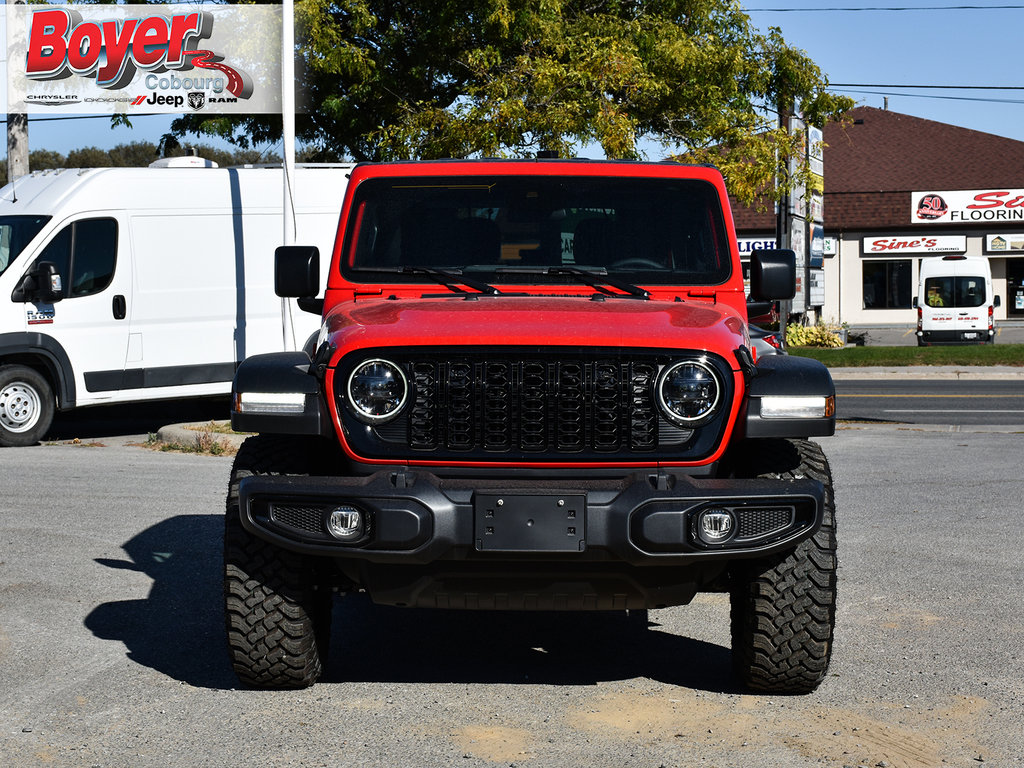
point(397, 79)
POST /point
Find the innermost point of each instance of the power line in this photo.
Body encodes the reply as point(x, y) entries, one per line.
point(891, 8)
point(940, 87)
point(933, 96)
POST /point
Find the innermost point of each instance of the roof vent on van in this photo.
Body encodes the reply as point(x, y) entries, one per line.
point(188, 161)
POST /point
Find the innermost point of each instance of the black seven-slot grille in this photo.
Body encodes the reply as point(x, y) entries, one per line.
point(539, 406)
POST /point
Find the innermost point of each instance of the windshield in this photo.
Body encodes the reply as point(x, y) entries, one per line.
point(525, 229)
point(15, 233)
point(950, 291)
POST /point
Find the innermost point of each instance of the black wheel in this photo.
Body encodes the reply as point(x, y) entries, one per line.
point(277, 603)
point(26, 405)
point(784, 608)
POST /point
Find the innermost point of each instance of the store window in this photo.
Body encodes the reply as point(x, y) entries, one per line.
point(887, 284)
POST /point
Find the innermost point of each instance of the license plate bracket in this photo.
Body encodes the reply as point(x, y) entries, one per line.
point(530, 522)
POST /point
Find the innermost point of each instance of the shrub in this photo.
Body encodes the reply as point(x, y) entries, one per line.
point(820, 335)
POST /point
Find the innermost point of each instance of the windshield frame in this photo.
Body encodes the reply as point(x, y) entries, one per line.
point(693, 202)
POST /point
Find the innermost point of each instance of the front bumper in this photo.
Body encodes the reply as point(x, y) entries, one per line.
point(643, 519)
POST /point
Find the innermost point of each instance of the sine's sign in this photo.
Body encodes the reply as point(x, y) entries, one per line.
point(890, 245)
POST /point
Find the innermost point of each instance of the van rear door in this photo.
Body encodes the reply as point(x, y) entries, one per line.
point(970, 306)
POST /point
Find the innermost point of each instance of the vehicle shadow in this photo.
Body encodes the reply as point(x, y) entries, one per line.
point(373, 643)
point(178, 630)
point(135, 418)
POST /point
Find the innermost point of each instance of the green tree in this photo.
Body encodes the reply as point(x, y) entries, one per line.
point(393, 79)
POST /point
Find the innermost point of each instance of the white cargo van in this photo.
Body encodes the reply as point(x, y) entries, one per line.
point(955, 302)
point(127, 284)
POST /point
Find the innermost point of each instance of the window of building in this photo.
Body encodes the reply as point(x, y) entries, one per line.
point(887, 284)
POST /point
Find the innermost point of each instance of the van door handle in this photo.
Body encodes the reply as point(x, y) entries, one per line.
point(119, 307)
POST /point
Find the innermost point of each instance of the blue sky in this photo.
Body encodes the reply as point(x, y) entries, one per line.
point(973, 47)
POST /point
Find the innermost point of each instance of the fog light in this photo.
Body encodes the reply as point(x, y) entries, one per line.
point(346, 523)
point(715, 525)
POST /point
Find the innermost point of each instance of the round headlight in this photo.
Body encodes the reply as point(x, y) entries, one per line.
point(377, 390)
point(688, 391)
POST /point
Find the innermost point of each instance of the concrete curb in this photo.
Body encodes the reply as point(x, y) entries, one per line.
point(188, 434)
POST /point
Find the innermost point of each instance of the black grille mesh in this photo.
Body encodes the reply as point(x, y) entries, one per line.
point(304, 518)
point(533, 406)
point(754, 522)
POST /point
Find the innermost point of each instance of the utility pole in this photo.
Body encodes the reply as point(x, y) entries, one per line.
point(17, 127)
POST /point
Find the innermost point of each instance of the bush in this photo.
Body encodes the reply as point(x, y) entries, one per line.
point(820, 335)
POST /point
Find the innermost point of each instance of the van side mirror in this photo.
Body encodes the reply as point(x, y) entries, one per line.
point(772, 275)
point(40, 285)
point(995, 300)
point(914, 302)
point(297, 274)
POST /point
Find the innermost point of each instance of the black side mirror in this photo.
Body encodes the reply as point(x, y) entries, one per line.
point(297, 274)
point(772, 275)
point(40, 285)
point(995, 301)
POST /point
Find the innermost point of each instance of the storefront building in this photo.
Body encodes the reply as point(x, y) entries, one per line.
point(898, 190)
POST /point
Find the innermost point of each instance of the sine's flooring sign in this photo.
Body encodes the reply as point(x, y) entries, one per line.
point(141, 59)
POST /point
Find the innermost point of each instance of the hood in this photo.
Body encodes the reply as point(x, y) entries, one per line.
point(488, 321)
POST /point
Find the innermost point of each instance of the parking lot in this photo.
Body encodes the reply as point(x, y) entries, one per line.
point(112, 649)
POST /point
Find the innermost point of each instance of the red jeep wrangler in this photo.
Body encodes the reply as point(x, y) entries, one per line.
point(533, 389)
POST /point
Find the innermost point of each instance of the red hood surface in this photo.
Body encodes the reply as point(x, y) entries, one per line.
point(488, 321)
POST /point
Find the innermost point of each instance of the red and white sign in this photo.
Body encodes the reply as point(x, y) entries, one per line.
point(892, 245)
point(143, 58)
point(967, 206)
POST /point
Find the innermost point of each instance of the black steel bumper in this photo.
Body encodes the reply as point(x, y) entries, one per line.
point(417, 518)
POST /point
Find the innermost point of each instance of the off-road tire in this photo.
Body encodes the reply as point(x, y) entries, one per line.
point(26, 406)
point(784, 608)
point(277, 603)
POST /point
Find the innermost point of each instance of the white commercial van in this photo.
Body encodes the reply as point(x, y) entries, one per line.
point(127, 284)
point(955, 302)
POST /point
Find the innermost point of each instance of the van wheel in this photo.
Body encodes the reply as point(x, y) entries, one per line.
point(277, 603)
point(26, 406)
point(784, 607)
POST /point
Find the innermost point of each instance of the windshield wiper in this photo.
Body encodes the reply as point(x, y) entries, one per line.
point(450, 280)
point(594, 279)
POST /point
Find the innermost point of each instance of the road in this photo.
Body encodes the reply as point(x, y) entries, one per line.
point(112, 650)
point(932, 401)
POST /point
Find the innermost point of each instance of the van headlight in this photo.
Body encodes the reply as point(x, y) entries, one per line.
point(377, 390)
point(688, 392)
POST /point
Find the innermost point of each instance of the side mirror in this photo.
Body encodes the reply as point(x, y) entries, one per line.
point(40, 285)
point(772, 275)
point(995, 301)
point(914, 302)
point(297, 271)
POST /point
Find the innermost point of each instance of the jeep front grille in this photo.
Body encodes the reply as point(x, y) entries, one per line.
point(544, 407)
point(533, 406)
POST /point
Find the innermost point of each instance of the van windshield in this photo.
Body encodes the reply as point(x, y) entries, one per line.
point(15, 233)
point(534, 230)
point(950, 291)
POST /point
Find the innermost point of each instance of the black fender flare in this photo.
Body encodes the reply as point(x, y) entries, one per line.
point(280, 373)
point(790, 376)
point(28, 348)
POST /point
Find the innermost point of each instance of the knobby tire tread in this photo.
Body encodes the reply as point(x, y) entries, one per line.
point(277, 620)
point(783, 608)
